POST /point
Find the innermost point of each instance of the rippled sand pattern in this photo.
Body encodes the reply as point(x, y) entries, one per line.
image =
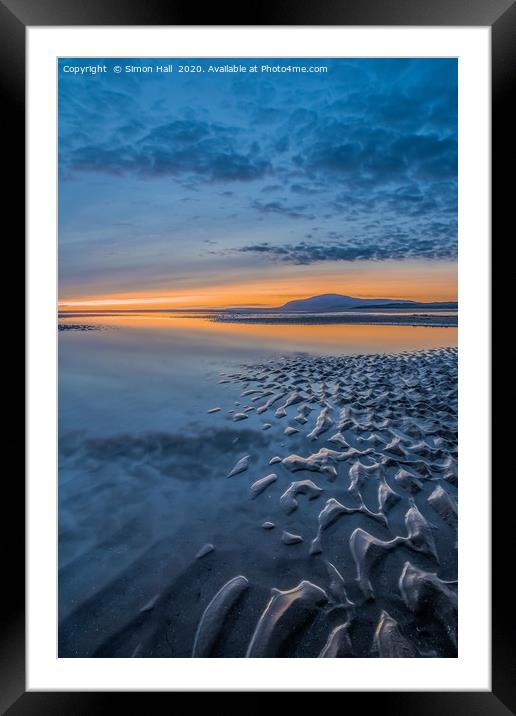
point(334, 491)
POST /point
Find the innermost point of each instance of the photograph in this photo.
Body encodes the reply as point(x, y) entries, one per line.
point(257, 329)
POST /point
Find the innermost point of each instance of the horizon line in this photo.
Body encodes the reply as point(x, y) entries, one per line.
point(198, 301)
point(89, 308)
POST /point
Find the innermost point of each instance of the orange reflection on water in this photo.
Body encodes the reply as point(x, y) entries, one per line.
point(345, 337)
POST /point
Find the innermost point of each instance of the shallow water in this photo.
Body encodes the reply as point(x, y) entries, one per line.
point(142, 483)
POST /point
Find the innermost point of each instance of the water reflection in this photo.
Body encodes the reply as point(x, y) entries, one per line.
point(341, 338)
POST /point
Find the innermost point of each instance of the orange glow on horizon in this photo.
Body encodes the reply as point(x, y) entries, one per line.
point(409, 282)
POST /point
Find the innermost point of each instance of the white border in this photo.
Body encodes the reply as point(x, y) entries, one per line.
point(471, 670)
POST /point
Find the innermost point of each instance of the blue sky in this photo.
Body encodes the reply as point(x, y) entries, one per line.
point(169, 182)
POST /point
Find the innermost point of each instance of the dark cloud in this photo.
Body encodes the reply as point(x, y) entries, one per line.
point(367, 152)
point(271, 188)
point(373, 156)
point(390, 247)
point(298, 211)
point(177, 148)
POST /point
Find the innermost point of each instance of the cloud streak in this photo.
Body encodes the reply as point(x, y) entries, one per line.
point(304, 253)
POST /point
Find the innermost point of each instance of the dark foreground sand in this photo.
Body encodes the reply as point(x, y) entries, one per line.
point(319, 519)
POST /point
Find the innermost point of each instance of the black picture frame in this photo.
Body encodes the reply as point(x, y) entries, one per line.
point(15, 17)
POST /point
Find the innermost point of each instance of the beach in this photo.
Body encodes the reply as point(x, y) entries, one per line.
point(275, 496)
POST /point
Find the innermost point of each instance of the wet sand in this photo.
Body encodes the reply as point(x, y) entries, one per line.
point(312, 512)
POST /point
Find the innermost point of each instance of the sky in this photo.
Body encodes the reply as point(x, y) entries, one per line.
point(216, 189)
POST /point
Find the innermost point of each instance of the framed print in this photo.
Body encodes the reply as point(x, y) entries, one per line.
point(258, 366)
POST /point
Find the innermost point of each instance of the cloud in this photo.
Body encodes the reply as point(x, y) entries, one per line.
point(177, 148)
point(277, 207)
point(368, 152)
point(436, 246)
point(376, 155)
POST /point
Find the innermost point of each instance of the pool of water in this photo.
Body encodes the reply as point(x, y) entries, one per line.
point(141, 372)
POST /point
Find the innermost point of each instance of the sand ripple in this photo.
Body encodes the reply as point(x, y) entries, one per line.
point(372, 571)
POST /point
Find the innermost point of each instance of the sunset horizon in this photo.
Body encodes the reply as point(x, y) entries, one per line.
point(434, 282)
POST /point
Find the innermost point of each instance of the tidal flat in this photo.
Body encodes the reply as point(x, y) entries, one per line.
point(256, 491)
